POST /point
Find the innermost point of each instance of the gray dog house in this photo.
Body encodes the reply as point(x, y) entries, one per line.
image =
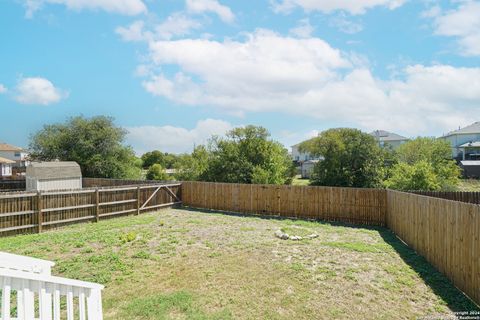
point(56, 175)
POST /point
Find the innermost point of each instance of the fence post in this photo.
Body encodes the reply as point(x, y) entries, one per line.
point(97, 205)
point(138, 200)
point(39, 211)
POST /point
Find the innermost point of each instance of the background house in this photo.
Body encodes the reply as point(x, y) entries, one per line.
point(299, 156)
point(307, 168)
point(465, 142)
point(6, 166)
point(16, 154)
point(386, 138)
point(56, 175)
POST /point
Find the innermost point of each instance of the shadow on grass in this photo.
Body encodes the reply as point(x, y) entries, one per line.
point(455, 299)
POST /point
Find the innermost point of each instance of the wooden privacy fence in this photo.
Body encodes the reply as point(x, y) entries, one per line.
point(462, 196)
point(361, 206)
point(25, 212)
point(446, 233)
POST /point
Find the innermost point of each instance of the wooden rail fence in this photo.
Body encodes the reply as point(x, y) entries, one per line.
point(462, 196)
point(25, 212)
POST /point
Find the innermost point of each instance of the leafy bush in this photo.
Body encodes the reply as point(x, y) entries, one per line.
point(157, 172)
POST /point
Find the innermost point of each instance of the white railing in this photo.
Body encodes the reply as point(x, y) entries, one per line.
point(27, 284)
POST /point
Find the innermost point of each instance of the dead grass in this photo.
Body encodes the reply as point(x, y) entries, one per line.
point(185, 264)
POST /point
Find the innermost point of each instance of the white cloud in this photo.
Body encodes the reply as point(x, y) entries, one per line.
point(268, 72)
point(175, 139)
point(329, 6)
point(37, 90)
point(134, 32)
point(177, 24)
point(462, 23)
point(3, 89)
point(125, 7)
point(342, 23)
point(201, 6)
point(303, 30)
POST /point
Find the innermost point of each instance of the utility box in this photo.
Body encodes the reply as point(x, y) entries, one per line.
point(55, 175)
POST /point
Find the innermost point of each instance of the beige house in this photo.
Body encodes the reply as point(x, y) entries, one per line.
point(385, 138)
point(16, 154)
point(465, 142)
point(55, 175)
point(6, 166)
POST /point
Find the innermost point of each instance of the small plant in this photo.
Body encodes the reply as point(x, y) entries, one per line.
point(128, 237)
point(142, 255)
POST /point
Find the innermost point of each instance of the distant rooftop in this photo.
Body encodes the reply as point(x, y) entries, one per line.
point(54, 170)
point(9, 147)
point(383, 135)
point(473, 128)
point(3, 160)
point(470, 163)
point(472, 144)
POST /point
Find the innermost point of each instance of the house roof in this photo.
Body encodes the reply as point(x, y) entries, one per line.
point(3, 160)
point(383, 135)
point(472, 144)
point(54, 170)
point(470, 163)
point(473, 128)
point(9, 147)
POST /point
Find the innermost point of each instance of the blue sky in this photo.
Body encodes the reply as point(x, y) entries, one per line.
point(174, 72)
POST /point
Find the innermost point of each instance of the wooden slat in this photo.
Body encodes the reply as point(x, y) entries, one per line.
point(28, 226)
point(68, 220)
point(69, 208)
point(116, 213)
point(18, 213)
point(160, 205)
point(117, 202)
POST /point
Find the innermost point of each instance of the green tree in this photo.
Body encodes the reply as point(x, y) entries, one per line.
point(417, 176)
point(192, 167)
point(157, 172)
point(437, 154)
point(152, 157)
point(94, 143)
point(432, 150)
point(247, 155)
point(167, 160)
point(351, 158)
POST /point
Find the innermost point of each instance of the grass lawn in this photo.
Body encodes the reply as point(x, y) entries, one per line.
point(469, 185)
point(186, 264)
point(298, 181)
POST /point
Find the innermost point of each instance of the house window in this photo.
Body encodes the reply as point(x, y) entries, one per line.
point(17, 154)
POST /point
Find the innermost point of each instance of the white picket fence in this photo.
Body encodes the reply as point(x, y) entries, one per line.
point(39, 295)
